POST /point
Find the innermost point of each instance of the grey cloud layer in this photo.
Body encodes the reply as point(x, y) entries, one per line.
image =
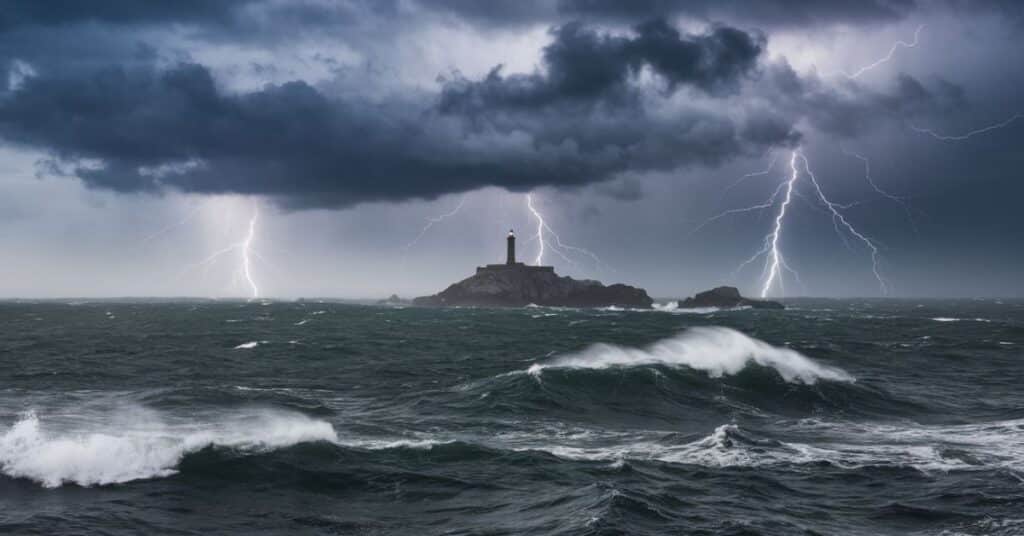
point(104, 110)
point(583, 119)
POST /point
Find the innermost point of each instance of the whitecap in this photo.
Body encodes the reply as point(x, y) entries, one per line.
point(668, 306)
point(148, 448)
point(249, 345)
point(847, 445)
point(389, 444)
point(716, 350)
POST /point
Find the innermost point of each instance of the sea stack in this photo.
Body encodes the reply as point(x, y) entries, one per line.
point(515, 284)
point(726, 297)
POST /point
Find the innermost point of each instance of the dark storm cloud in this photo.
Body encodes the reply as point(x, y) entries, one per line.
point(758, 12)
point(579, 122)
point(585, 66)
point(15, 13)
point(105, 113)
point(848, 109)
point(765, 12)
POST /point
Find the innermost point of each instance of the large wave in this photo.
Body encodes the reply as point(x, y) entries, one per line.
point(715, 350)
point(144, 448)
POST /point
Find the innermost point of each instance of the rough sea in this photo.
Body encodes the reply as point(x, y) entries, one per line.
point(846, 417)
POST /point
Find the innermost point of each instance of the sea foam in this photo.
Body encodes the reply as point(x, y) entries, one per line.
point(140, 450)
point(716, 350)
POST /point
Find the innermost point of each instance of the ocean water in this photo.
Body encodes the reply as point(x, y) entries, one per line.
point(841, 417)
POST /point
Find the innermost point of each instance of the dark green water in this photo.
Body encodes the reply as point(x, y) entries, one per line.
point(833, 417)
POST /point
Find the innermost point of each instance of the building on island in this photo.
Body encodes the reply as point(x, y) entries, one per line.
point(510, 260)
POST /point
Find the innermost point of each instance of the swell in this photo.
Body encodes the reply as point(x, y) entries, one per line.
point(711, 372)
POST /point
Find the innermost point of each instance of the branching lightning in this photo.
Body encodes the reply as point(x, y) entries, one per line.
point(888, 57)
point(540, 230)
point(770, 202)
point(775, 259)
point(435, 220)
point(180, 223)
point(775, 264)
point(246, 253)
point(837, 216)
point(961, 137)
point(871, 182)
point(765, 171)
point(558, 247)
point(771, 249)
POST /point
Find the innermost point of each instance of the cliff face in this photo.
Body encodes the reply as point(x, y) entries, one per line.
point(517, 285)
point(727, 297)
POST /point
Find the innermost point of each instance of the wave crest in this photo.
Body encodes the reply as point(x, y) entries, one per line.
point(146, 450)
point(715, 350)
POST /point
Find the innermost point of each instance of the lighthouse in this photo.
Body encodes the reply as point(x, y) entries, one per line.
point(511, 266)
point(511, 258)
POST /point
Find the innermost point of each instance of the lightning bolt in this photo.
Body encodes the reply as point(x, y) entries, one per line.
point(558, 247)
point(902, 202)
point(760, 207)
point(435, 220)
point(540, 230)
point(888, 57)
point(765, 171)
point(961, 137)
point(246, 250)
point(775, 264)
point(181, 223)
point(246, 253)
point(837, 216)
point(775, 260)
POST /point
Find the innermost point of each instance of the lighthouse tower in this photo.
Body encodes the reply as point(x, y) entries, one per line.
point(511, 259)
point(511, 266)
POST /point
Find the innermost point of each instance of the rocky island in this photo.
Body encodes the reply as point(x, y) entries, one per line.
point(515, 284)
point(726, 297)
point(393, 299)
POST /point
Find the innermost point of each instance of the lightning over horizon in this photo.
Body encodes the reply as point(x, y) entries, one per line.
point(659, 138)
point(838, 217)
point(246, 254)
point(246, 251)
point(775, 261)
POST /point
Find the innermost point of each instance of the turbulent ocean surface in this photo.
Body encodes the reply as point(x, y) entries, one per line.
point(832, 417)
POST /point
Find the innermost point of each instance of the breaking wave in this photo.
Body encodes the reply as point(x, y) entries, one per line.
point(716, 350)
point(144, 449)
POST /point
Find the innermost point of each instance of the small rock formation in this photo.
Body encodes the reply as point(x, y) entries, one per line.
point(726, 297)
point(518, 285)
point(392, 300)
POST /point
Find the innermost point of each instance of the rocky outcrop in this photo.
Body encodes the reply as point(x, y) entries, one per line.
point(518, 285)
point(726, 297)
point(393, 299)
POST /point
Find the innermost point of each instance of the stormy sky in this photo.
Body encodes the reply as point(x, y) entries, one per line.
point(378, 147)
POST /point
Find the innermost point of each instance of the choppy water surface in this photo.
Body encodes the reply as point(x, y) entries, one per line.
point(833, 417)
